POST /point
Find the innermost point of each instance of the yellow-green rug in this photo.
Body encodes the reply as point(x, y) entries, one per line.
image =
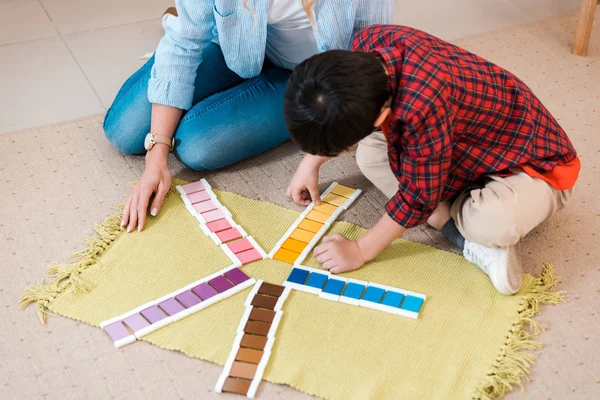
point(468, 342)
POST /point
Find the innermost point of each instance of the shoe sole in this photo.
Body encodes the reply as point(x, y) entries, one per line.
point(501, 278)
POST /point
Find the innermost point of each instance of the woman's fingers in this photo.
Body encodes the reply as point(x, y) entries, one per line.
point(125, 218)
point(159, 198)
point(142, 208)
point(133, 216)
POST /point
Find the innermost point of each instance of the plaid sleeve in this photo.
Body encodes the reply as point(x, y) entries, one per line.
point(421, 165)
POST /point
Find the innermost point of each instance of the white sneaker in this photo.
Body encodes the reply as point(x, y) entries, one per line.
point(502, 265)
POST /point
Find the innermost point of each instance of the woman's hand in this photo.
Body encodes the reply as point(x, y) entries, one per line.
point(156, 181)
point(305, 182)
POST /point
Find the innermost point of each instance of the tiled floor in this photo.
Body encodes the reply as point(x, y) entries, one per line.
point(63, 59)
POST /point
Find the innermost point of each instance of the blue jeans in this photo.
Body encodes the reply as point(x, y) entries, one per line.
point(231, 118)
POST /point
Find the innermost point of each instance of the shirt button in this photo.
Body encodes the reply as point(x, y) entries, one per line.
point(324, 48)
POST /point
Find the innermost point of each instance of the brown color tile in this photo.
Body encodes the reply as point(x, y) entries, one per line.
point(249, 355)
point(243, 370)
point(264, 301)
point(238, 386)
point(258, 314)
point(257, 328)
point(253, 341)
point(270, 289)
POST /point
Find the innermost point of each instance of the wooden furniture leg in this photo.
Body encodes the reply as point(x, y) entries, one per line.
point(584, 27)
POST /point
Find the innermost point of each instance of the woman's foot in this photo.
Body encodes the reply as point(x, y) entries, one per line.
point(169, 14)
point(502, 265)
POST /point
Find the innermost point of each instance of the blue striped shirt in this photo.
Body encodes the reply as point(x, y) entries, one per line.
point(242, 36)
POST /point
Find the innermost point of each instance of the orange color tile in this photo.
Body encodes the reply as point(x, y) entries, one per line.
point(317, 216)
point(294, 245)
point(343, 191)
point(302, 235)
point(334, 199)
point(311, 226)
point(325, 208)
point(286, 256)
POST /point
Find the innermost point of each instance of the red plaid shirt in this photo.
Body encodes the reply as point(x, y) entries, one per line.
point(456, 118)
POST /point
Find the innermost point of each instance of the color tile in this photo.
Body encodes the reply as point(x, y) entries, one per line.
point(205, 206)
point(236, 276)
point(213, 215)
point(343, 191)
point(311, 226)
point(171, 306)
point(270, 289)
point(317, 216)
point(237, 386)
point(316, 280)
point(373, 294)
point(153, 314)
point(229, 234)
point(248, 256)
point(253, 341)
point(220, 283)
point(412, 303)
point(298, 276)
point(286, 256)
point(294, 245)
point(243, 370)
point(325, 208)
point(188, 299)
point(117, 331)
point(193, 187)
point(334, 286)
point(257, 328)
point(204, 291)
point(249, 355)
point(240, 245)
point(334, 199)
point(264, 302)
point(259, 314)
point(136, 322)
point(198, 197)
point(218, 225)
point(302, 235)
point(354, 290)
point(392, 299)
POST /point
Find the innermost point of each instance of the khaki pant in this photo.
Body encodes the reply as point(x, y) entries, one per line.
point(498, 214)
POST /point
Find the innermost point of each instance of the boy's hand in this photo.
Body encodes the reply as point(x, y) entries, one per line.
point(339, 254)
point(305, 183)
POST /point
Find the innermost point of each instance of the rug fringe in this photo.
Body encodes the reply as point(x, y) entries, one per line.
point(513, 363)
point(68, 276)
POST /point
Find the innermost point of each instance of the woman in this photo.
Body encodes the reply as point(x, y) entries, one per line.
point(213, 91)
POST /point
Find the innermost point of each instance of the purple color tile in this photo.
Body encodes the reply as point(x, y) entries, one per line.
point(193, 187)
point(117, 331)
point(171, 306)
point(204, 291)
point(236, 276)
point(153, 314)
point(220, 283)
point(198, 197)
point(188, 299)
point(136, 322)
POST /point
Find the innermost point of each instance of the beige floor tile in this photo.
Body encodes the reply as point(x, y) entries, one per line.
point(71, 16)
point(541, 9)
point(22, 20)
point(453, 19)
point(42, 84)
point(109, 56)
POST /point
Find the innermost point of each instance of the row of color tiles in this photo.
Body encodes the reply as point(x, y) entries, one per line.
point(216, 223)
point(215, 220)
point(309, 228)
point(355, 292)
point(252, 346)
point(127, 328)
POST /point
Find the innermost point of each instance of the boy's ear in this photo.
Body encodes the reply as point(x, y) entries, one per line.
point(385, 112)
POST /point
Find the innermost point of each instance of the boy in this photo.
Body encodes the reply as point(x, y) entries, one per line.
point(466, 147)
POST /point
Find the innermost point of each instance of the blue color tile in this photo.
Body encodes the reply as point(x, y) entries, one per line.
point(298, 276)
point(412, 303)
point(354, 290)
point(334, 286)
point(373, 294)
point(392, 299)
point(316, 280)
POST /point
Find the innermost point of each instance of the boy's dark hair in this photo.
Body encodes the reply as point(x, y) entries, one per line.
point(332, 100)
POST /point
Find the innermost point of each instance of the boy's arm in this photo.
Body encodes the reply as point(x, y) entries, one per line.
point(339, 254)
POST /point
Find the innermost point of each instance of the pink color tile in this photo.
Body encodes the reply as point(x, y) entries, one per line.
point(205, 206)
point(218, 225)
point(198, 197)
point(213, 215)
point(240, 245)
point(229, 235)
point(193, 187)
point(248, 256)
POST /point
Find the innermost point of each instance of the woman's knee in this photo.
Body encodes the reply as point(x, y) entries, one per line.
point(126, 126)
